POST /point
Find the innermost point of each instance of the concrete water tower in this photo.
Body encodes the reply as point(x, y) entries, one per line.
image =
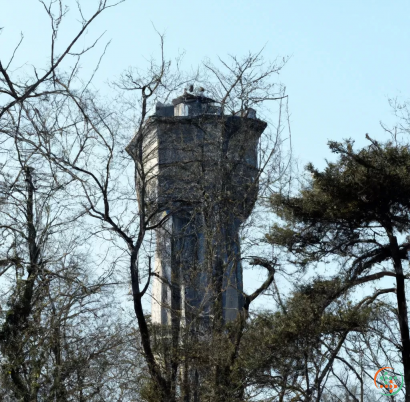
point(200, 174)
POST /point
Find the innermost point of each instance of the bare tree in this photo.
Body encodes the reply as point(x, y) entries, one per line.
point(61, 332)
point(41, 82)
point(80, 140)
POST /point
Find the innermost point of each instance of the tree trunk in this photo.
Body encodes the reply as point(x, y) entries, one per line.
point(402, 311)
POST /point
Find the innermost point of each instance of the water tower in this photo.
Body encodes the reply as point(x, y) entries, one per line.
point(199, 179)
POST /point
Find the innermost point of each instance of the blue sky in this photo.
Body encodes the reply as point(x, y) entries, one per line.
point(347, 58)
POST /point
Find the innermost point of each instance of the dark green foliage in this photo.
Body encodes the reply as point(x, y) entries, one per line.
point(284, 350)
point(354, 212)
point(341, 212)
point(357, 190)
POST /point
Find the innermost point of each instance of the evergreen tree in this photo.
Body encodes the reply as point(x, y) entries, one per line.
point(357, 212)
